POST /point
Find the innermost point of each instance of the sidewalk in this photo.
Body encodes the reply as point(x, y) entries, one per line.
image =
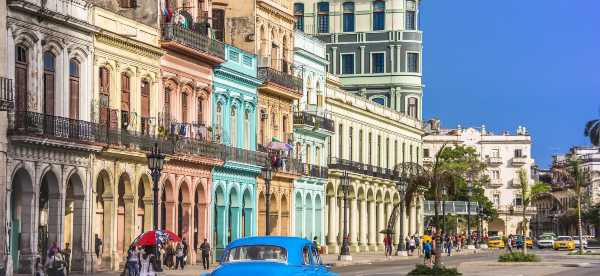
point(195, 270)
point(374, 257)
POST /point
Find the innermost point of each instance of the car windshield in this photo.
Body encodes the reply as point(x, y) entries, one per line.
point(495, 238)
point(564, 238)
point(256, 253)
point(546, 237)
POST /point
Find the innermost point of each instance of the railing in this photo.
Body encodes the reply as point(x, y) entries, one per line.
point(198, 147)
point(245, 156)
point(450, 207)
point(305, 118)
point(315, 171)
point(49, 126)
point(360, 168)
point(192, 39)
point(495, 183)
point(267, 74)
point(494, 160)
point(519, 160)
point(7, 97)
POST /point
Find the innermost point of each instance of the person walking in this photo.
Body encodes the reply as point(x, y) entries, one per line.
point(427, 253)
point(448, 241)
point(147, 262)
point(67, 256)
point(55, 264)
point(97, 246)
point(418, 244)
point(205, 248)
point(386, 244)
point(509, 244)
point(411, 245)
point(133, 262)
point(179, 255)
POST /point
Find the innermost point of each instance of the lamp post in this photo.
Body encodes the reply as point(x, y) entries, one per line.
point(156, 161)
point(479, 226)
point(267, 174)
point(345, 250)
point(469, 195)
point(444, 192)
point(555, 221)
point(401, 186)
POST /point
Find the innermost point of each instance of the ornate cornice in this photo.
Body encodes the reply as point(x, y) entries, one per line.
point(129, 44)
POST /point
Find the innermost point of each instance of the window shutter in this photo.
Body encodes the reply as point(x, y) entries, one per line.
point(49, 93)
point(124, 92)
point(21, 87)
point(114, 118)
point(145, 99)
point(74, 98)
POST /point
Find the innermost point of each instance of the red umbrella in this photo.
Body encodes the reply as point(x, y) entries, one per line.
point(149, 238)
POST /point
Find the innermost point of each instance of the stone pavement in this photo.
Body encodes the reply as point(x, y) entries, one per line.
point(194, 270)
point(374, 257)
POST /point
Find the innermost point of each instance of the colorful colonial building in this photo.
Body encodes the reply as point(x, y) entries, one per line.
point(312, 127)
point(234, 101)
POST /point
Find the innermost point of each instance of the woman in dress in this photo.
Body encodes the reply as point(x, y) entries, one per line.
point(146, 261)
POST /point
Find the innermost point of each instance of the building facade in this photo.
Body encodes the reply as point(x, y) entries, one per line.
point(505, 154)
point(234, 102)
point(370, 141)
point(48, 52)
point(312, 127)
point(374, 46)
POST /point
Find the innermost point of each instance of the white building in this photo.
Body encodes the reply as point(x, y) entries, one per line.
point(590, 160)
point(505, 154)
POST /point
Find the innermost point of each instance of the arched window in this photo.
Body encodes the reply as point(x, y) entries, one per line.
point(21, 79)
point(341, 142)
point(298, 151)
point(319, 96)
point(318, 156)
point(219, 118)
point(299, 15)
point(233, 122)
point(145, 105)
point(348, 9)
point(360, 146)
point(309, 89)
point(49, 81)
point(378, 15)
point(125, 92)
point(73, 89)
point(413, 107)
point(351, 144)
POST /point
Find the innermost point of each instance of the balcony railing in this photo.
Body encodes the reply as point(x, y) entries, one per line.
point(494, 160)
point(519, 160)
point(267, 74)
point(50, 126)
point(313, 120)
point(193, 39)
point(360, 168)
point(7, 97)
point(315, 171)
point(495, 183)
point(256, 158)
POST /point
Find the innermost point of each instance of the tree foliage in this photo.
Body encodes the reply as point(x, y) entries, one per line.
point(592, 130)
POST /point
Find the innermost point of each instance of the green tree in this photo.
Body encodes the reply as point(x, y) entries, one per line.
point(592, 130)
point(528, 194)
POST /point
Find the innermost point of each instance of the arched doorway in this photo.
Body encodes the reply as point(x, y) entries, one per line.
point(74, 220)
point(125, 214)
point(247, 214)
point(49, 215)
point(167, 207)
point(104, 215)
point(219, 220)
point(145, 206)
point(21, 221)
point(199, 213)
point(183, 211)
point(309, 217)
point(261, 214)
point(299, 215)
point(285, 216)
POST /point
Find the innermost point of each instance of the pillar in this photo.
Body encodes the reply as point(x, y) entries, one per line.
point(380, 224)
point(353, 220)
point(392, 63)
point(170, 215)
point(107, 238)
point(148, 214)
point(332, 223)
point(364, 224)
point(334, 60)
point(362, 59)
point(129, 225)
point(372, 227)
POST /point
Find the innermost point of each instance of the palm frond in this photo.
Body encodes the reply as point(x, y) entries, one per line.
point(592, 130)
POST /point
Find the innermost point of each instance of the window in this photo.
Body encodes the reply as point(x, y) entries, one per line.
point(184, 107)
point(360, 146)
point(199, 112)
point(379, 100)
point(323, 17)
point(218, 23)
point(233, 122)
point(308, 157)
point(340, 142)
point(299, 15)
point(318, 156)
point(125, 92)
point(378, 63)
point(218, 121)
point(369, 149)
point(350, 143)
point(104, 95)
point(495, 152)
point(387, 153)
point(518, 153)
point(259, 253)
point(496, 200)
point(347, 63)
point(495, 174)
point(167, 100)
point(21, 68)
point(348, 8)
point(378, 15)
point(74, 89)
point(403, 152)
point(425, 153)
point(413, 107)
point(145, 105)
point(49, 80)
point(410, 20)
point(128, 4)
point(518, 201)
point(412, 62)
point(395, 152)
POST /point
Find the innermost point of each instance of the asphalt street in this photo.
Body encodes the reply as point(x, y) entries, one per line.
point(483, 264)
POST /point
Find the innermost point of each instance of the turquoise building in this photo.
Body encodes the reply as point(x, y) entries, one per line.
point(312, 128)
point(233, 102)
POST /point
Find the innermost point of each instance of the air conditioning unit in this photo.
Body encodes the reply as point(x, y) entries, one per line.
point(264, 116)
point(264, 62)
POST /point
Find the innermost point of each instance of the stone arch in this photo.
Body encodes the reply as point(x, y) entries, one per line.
point(50, 211)
point(103, 206)
point(309, 223)
point(73, 227)
point(22, 221)
point(299, 219)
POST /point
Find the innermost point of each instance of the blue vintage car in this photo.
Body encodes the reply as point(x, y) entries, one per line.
point(271, 256)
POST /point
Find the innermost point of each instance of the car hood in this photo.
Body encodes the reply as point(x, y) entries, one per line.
point(256, 268)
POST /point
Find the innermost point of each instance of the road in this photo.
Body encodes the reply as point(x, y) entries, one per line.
point(483, 264)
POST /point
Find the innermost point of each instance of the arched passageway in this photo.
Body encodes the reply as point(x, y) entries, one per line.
point(21, 221)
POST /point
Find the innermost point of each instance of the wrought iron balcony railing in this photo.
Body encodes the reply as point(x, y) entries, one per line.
point(50, 126)
point(7, 97)
point(193, 39)
point(256, 158)
point(313, 120)
point(360, 168)
point(315, 171)
point(268, 74)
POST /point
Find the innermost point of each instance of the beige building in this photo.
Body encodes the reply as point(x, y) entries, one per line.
point(369, 141)
point(505, 154)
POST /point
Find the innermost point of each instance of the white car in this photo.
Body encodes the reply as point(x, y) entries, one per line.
point(585, 243)
point(545, 241)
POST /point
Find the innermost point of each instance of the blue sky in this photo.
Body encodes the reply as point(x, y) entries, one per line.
point(505, 63)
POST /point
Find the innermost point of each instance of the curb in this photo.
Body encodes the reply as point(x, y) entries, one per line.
point(489, 263)
point(396, 258)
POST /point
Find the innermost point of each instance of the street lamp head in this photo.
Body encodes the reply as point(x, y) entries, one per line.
point(444, 191)
point(267, 173)
point(156, 159)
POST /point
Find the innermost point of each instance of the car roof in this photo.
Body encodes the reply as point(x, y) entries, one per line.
point(293, 245)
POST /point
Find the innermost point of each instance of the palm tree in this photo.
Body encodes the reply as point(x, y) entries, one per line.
point(570, 174)
point(527, 195)
point(592, 130)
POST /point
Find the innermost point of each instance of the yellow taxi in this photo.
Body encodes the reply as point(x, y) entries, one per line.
point(529, 242)
point(495, 242)
point(564, 242)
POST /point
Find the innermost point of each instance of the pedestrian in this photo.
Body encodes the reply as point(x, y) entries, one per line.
point(386, 244)
point(97, 246)
point(39, 267)
point(67, 255)
point(179, 256)
point(509, 244)
point(147, 261)
point(133, 262)
point(411, 245)
point(55, 264)
point(427, 252)
point(449, 245)
point(185, 250)
point(418, 244)
point(316, 244)
point(459, 243)
point(205, 248)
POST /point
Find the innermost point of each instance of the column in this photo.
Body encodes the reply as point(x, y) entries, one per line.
point(399, 58)
point(392, 63)
point(340, 220)
point(362, 59)
point(148, 214)
point(129, 221)
point(393, 98)
point(170, 215)
point(413, 219)
point(353, 219)
point(331, 221)
point(107, 240)
point(399, 102)
point(380, 223)
point(388, 207)
point(397, 227)
point(187, 226)
point(363, 225)
point(334, 60)
point(372, 231)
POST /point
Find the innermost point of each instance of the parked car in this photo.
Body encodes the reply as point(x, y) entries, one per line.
point(545, 241)
point(271, 256)
point(527, 240)
point(495, 242)
point(564, 242)
point(576, 239)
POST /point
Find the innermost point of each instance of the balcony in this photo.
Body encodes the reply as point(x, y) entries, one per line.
point(516, 182)
point(38, 125)
point(192, 43)
point(7, 96)
point(360, 168)
point(427, 160)
point(313, 122)
point(494, 160)
point(314, 171)
point(238, 155)
point(292, 84)
point(519, 160)
point(495, 183)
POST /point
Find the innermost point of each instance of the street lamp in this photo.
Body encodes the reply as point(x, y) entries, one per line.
point(469, 195)
point(444, 192)
point(267, 174)
point(479, 226)
point(401, 186)
point(555, 221)
point(345, 250)
point(156, 161)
